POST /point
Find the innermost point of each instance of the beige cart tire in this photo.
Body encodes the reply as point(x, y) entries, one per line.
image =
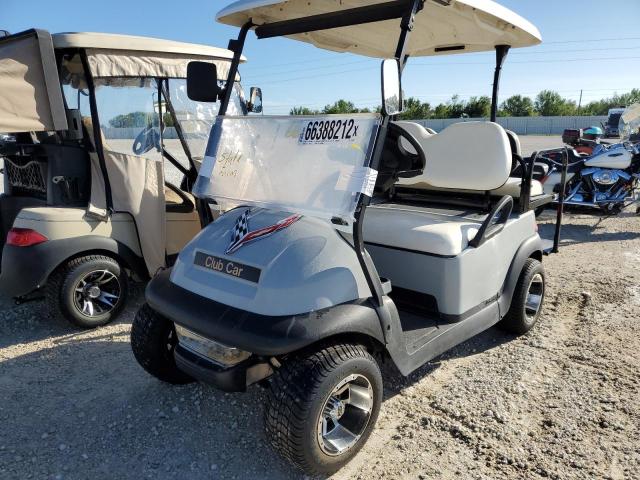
point(88, 291)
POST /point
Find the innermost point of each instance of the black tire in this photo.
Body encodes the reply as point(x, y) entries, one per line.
point(298, 393)
point(63, 294)
point(538, 211)
point(521, 318)
point(153, 340)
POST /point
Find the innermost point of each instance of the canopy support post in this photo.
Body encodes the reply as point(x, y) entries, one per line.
point(236, 46)
point(501, 54)
point(368, 267)
point(406, 26)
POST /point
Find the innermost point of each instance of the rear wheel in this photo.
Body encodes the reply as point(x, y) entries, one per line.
point(88, 291)
point(153, 341)
point(527, 300)
point(323, 406)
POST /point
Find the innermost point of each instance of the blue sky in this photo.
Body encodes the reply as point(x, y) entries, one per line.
point(589, 45)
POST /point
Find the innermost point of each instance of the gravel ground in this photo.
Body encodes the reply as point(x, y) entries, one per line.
point(561, 402)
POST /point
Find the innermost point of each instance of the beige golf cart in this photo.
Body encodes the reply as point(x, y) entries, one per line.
point(96, 185)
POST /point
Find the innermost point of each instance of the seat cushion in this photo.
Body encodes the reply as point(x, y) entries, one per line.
point(417, 230)
point(512, 187)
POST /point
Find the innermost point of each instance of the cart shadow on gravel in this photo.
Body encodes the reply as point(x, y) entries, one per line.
point(31, 322)
point(395, 382)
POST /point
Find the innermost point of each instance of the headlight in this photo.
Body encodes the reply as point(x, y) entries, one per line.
point(219, 353)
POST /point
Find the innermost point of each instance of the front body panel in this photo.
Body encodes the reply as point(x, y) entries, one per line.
point(302, 268)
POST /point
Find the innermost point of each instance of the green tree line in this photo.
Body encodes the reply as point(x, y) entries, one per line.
point(546, 103)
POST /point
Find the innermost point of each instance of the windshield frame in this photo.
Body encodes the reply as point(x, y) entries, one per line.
point(629, 124)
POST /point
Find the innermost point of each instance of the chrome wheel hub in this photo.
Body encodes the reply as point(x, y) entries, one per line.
point(535, 293)
point(97, 293)
point(345, 415)
point(93, 291)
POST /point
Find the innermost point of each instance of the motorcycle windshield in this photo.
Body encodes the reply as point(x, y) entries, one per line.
point(317, 166)
point(630, 122)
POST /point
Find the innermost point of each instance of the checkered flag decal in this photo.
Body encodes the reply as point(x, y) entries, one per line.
point(242, 235)
point(241, 228)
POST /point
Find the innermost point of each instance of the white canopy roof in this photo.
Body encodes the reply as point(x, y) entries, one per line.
point(442, 27)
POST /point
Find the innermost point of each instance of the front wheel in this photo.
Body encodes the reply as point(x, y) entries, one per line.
point(526, 303)
point(153, 341)
point(323, 406)
point(88, 291)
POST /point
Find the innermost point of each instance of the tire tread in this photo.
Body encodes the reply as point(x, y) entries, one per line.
point(294, 387)
point(147, 339)
point(57, 284)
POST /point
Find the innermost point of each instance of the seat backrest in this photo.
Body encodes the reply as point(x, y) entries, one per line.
point(514, 141)
point(465, 156)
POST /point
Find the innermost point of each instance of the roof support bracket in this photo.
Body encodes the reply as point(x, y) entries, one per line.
point(501, 55)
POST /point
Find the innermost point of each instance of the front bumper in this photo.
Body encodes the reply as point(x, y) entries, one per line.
point(228, 379)
point(262, 335)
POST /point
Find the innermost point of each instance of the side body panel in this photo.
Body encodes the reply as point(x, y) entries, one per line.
point(459, 283)
point(65, 223)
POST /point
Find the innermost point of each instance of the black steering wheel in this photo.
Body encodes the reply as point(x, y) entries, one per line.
point(146, 140)
point(417, 158)
point(397, 161)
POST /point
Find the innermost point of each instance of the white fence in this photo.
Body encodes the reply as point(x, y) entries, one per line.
point(525, 125)
point(132, 132)
point(520, 125)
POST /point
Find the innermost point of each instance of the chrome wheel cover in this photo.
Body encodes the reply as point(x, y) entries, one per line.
point(345, 415)
point(535, 294)
point(97, 293)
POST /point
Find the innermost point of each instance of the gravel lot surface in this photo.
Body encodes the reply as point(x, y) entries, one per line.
point(561, 402)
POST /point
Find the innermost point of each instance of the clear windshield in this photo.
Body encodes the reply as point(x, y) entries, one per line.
point(197, 118)
point(614, 119)
point(630, 122)
point(315, 166)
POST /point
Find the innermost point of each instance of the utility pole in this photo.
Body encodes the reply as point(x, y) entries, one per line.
point(580, 102)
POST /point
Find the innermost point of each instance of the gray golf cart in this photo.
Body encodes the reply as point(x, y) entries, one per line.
point(96, 185)
point(359, 238)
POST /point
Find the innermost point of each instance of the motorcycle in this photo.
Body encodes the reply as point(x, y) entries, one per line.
point(608, 179)
point(584, 140)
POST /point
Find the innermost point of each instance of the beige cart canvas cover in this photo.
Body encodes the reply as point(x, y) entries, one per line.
point(112, 55)
point(137, 182)
point(30, 93)
point(137, 187)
